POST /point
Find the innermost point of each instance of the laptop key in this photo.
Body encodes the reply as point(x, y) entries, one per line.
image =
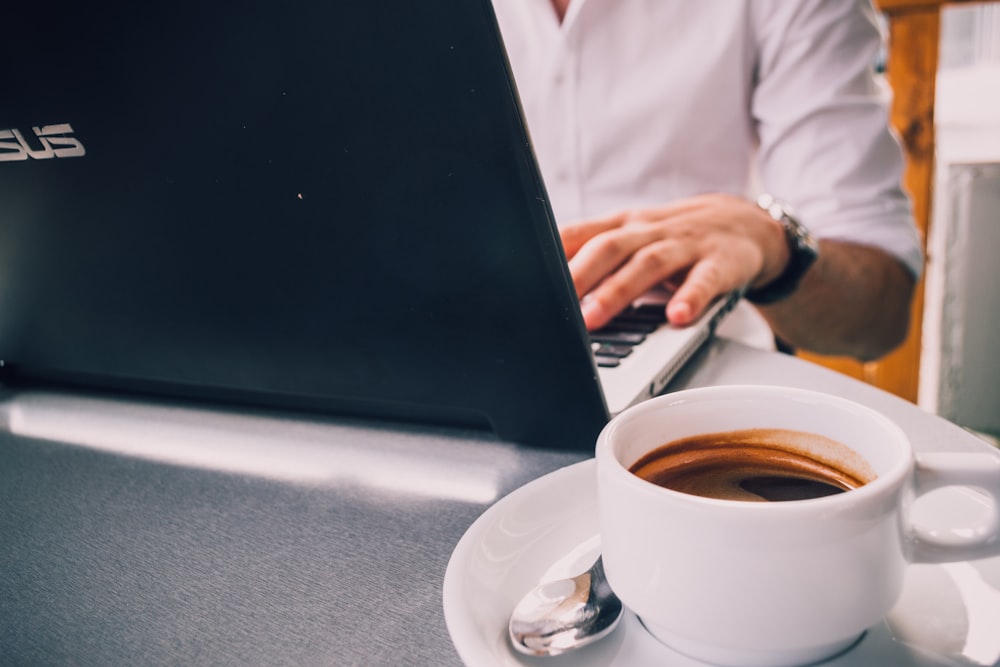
point(652, 309)
point(617, 337)
point(654, 313)
point(630, 326)
point(611, 349)
point(606, 362)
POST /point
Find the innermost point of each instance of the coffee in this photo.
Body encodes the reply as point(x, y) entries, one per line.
point(755, 465)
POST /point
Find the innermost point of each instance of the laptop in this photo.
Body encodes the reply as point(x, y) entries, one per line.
point(298, 205)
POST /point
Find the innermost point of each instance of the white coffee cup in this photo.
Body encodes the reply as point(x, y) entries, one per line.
point(773, 583)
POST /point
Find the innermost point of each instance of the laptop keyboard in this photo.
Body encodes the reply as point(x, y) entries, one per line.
point(615, 341)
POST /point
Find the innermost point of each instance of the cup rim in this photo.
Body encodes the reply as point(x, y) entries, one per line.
point(889, 478)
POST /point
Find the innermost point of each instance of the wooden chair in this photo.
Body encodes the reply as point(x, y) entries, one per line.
point(911, 69)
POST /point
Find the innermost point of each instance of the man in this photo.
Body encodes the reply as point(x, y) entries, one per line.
point(656, 123)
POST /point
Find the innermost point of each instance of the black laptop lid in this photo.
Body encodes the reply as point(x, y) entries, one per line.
point(325, 205)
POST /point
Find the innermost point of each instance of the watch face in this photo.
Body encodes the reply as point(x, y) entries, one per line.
point(802, 237)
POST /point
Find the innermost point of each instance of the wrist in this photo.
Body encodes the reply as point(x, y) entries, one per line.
point(799, 253)
point(777, 253)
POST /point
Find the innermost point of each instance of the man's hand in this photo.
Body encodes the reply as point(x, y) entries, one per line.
point(853, 301)
point(701, 247)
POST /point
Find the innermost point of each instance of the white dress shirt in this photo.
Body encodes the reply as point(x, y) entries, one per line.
point(638, 102)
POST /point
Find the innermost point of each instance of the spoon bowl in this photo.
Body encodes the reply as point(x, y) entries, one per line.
point(563, 615)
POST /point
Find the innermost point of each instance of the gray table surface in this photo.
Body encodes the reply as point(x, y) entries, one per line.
point(140, 533)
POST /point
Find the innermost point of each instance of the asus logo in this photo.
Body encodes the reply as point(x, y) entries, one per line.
point(54, 139)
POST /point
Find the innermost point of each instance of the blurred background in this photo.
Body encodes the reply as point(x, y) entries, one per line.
point(960, 361)
point(940, 66)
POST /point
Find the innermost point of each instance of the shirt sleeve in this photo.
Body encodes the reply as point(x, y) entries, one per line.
point(825, 145)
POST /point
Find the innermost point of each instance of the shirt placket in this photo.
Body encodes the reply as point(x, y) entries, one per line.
point(565, 84)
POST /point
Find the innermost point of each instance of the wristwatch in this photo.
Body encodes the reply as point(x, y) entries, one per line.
point(803, 251)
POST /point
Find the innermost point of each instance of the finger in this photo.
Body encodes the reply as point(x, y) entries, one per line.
point(577, 234)
point(647, 268)
point(606, 253)
point(704, 282)
point(574, 236)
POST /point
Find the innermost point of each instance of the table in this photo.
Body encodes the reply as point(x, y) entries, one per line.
point(138, 532)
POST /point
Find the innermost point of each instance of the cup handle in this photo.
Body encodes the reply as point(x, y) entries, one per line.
point(978, 470)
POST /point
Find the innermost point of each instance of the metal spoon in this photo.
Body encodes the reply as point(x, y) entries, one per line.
point(563, 615)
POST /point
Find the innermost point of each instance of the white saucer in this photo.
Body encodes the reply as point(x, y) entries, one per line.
point(948, 614)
